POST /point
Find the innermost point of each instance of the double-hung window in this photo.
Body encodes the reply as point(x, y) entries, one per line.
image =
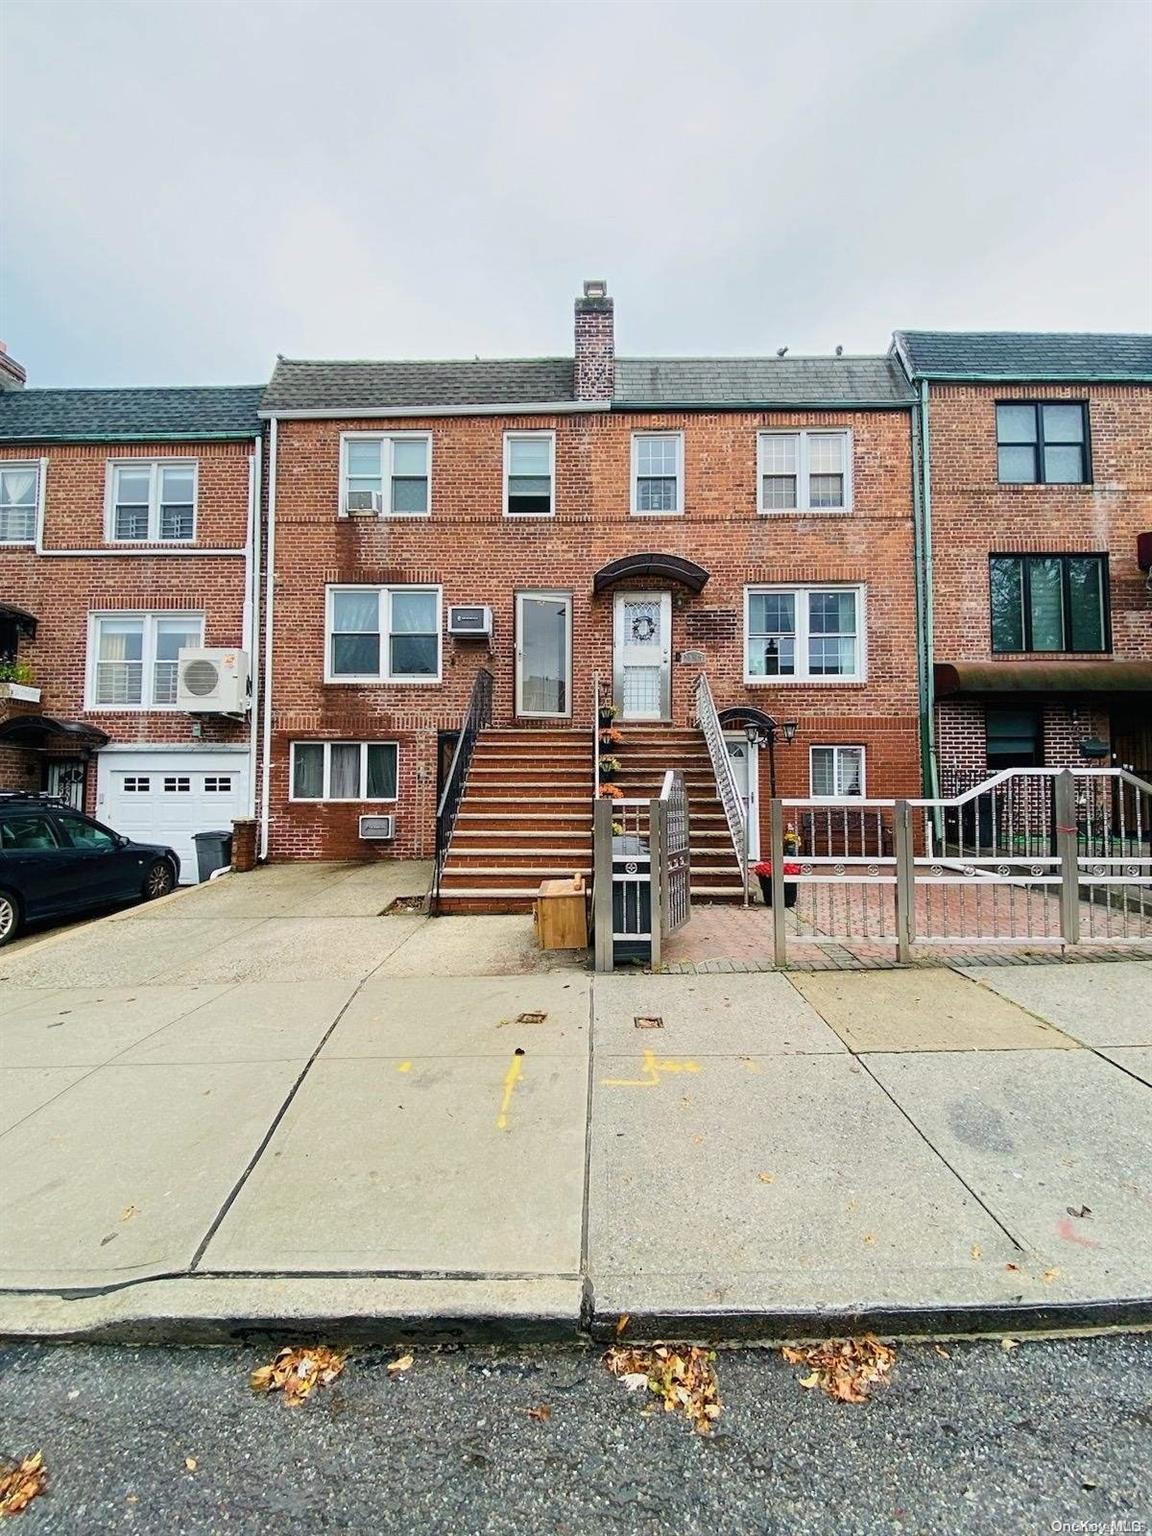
point(152, 502)
point(344, 770)
point(813, 634)
point(1045, 443)
point(529, 472)
point(805, 471)
point(1049, 602)
point(133, 658)
point(389, 475)
point(384, 634)
point(836, 771)
point(19, 484)
point(657, 473)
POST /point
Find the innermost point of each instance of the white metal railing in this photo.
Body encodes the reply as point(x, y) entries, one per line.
point(730, 797)
point(597, 699)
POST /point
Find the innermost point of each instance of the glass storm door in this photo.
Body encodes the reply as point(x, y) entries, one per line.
point(642, 655)
point(543, 653)
point(745, 770)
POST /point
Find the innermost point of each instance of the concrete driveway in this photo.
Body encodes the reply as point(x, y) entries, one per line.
point(261, 1099)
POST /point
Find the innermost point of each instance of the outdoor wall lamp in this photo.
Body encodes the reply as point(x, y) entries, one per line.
point(766, 735)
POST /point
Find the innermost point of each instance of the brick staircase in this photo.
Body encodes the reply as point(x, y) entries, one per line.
point(525, 816)
point(645, 754)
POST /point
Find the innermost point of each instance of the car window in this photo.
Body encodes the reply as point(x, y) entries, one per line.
point(86, 834)
point(20, 833)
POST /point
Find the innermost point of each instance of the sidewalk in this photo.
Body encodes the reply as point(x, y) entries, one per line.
point(199, 1140)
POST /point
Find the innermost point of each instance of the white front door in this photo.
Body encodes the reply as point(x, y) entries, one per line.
point(745, 760)
point(164, 795)
point(543, 653)
point(642, 655)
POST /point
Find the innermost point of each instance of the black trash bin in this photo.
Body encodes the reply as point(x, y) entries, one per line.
point(213, 852)
point(632, 899)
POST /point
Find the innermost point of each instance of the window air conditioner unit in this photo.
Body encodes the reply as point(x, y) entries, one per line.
point(378, 829)
point(362, 503)
point(212, 682)
point(470, 619)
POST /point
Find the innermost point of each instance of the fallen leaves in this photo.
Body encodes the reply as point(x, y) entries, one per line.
point(20, 1484)
point(681, 1375)
point(845, 1369)
point(541, 1413)
point(766, 1178)
point(402, 1363)
point(191, 1463)
point(298, 1372)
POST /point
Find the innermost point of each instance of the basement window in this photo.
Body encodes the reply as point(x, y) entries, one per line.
point(344, 770)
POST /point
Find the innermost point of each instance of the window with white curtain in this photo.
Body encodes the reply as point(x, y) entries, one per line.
point(383, 634)
point(152, 501)
point(836, 772)
point(344, 770)
point(133, 658)
point(810, 634)
point(387, 473)
point(19, 484)
point(805, 471)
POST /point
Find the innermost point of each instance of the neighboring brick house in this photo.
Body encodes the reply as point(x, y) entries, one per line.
point(1038, 489)
point(127, 531)
point(641, 518)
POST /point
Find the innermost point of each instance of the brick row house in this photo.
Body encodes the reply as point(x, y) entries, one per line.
point(128, 533)
point(921, 566)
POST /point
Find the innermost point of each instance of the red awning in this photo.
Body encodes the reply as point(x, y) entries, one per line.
point(1017, 677)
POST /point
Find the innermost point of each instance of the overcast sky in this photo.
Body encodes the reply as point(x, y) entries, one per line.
point(190, 188)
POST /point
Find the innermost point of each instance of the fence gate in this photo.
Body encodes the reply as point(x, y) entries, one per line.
point(674, 869)
point(641, 873)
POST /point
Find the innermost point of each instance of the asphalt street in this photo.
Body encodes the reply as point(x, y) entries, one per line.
point(1023, 1440)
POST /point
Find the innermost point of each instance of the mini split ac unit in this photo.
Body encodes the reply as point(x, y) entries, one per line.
point(362, 503)
point(470, 619)
point(378, 829)
point(212, 682)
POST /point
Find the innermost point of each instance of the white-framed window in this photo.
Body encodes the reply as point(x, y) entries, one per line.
point(804, 634)
point(387, 473)
point(344, 770)
point(835, 772)
point(132, 658)
point(383, 635)
point(657, 474)
point(151, 501)
point(805, 471)
point(529, 474)
point(19, 487)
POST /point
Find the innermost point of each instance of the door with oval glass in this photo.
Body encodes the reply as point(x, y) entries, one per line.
point(642, 655)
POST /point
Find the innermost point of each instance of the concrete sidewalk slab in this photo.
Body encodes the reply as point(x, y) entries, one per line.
point(1039, 1135)
point(709, 1015)
point(23, 1090)
point(114, 954)
point(472, 1165)
point(298, 949)
point(795, 1184)
point(1136, 1059)
point(86, 1026)
point(251, 1021)
point(408, 1016)
point(479, 946)
point(922, 1011)
point(13, 998)
point(122, 1174)
point(1098, 1004)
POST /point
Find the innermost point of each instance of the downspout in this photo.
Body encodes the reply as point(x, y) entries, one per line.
point(269, 605)
point(252, 616)
point(922, 506)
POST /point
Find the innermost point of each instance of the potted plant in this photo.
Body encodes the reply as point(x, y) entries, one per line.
point(609, 768)
point(16, 682)
point(610, 736)
point(611, 792)
point(608, 713)
point(763, 872)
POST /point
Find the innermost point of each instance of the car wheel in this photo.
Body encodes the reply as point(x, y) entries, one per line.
point(159, 880)
point(9, 917)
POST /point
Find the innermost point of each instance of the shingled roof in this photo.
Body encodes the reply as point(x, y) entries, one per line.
point(301, 386)
point(123, 415)
point(1025, 355)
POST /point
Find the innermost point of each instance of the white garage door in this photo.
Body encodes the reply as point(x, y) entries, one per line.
point(165, 797)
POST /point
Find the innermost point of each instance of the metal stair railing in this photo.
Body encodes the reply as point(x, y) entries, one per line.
point(730, 798)
point(476, 717)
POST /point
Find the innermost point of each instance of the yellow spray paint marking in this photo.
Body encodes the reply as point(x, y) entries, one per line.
point(653, 1070)
point(511, 1078)
point(405, 1066)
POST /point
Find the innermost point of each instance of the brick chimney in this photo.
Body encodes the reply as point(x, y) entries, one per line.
point(595, 344)
point(12, 376)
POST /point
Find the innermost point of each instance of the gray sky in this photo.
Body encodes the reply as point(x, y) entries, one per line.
point(190, 188)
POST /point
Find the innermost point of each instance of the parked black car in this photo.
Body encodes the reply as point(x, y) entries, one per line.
point(57, 862)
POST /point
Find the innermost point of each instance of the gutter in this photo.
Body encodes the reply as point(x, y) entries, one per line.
point(126, 437)
point(270, 597)
point(671, 407)
point(1065, 376)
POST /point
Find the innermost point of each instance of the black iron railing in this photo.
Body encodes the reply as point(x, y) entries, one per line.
point(477, 716)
